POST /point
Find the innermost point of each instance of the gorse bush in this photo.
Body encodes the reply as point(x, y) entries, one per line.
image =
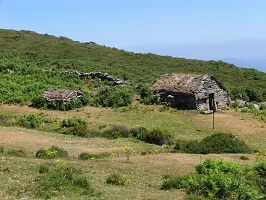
point(146, 95)
point(218, 180)
point(51, 153)
point(223, 143)
point(260, 169)
point(60, 180)
point(117, 131)
point(246, 94)
point(30, 120)
point(2, 149)
point(139, 132)
point(88, 156)
point(114, 97)
point(16, 153)
point(73, 121)
point(74, 126)
point(216, 143)
point(158, 136)
point(154, 136)
point(115, 179)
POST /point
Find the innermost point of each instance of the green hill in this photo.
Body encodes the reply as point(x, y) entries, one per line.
point(26, 58)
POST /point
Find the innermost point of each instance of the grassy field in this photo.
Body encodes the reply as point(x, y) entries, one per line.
point(143, 167)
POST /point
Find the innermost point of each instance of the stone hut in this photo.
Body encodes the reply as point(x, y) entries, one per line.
point(61, 95)
point(199, 92)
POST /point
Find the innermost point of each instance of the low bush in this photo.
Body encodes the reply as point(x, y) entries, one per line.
point(223, 143)
point(146, 95)
point(73, 121)
point(43, 169)
point(260, 169)
point(218, 180)
point(51, 153)
point(2, 149)
point(117, 131)
point(139, 132)
point(115, 179)
point(30, 121)
point(216, 143)
point(74, 126)
point(16, 153)
point(154, 136)
point(88, 156)
point(61, 180)
point(158, 136)
point(114, 97)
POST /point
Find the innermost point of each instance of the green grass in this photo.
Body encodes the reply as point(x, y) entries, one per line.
point(27, 70)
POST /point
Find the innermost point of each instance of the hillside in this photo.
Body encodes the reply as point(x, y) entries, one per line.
point(60, 53)
point(143, 146)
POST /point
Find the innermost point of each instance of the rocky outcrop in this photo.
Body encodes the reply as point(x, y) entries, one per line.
point(100, 75)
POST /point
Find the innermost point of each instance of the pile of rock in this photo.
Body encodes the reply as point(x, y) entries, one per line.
point(100, 75)
point(61, 95)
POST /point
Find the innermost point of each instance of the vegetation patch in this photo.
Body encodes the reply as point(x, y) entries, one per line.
point(61, 180)
point(216, 143)
point(2, 149)
point(90, 156)
point(16, 152)
point(51, 153)
point(117, 131)
point(114, 97)
point(74, 126)
point(115, 179)
point(222, 180)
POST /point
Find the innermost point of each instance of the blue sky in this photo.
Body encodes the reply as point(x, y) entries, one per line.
point(231, 30)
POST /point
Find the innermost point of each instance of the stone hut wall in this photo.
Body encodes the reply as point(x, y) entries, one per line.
point(211, 86)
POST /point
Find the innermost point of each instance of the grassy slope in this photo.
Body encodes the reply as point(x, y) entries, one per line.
point(62, 53)
point(46, 52)
point(144, 172)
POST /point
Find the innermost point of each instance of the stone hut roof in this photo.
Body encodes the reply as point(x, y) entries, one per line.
point(56, 94)
point(176, 83)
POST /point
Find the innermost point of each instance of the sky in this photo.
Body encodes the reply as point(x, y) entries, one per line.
point(228, 30)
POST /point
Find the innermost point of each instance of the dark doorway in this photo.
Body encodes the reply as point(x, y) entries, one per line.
point(212, 102)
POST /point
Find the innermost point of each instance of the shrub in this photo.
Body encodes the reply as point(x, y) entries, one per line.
point(191, 147)
point(60, 181)
point(158, 136)
point(216, 143)
point(217, 180)
point(223, 143)
point(17, 153)
point(146, 95)
point(51, 153)
point(1, 149)
point(43, 169)
point(260, 169)
point(74, 126)
point(88, 156)
point(244, 158)
point(115, 179)
point(30, 120)
point(154, 136)
point(71, 122)
point(124, 131)
point(139, 132)
point(114, 97)
point(117, 131)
